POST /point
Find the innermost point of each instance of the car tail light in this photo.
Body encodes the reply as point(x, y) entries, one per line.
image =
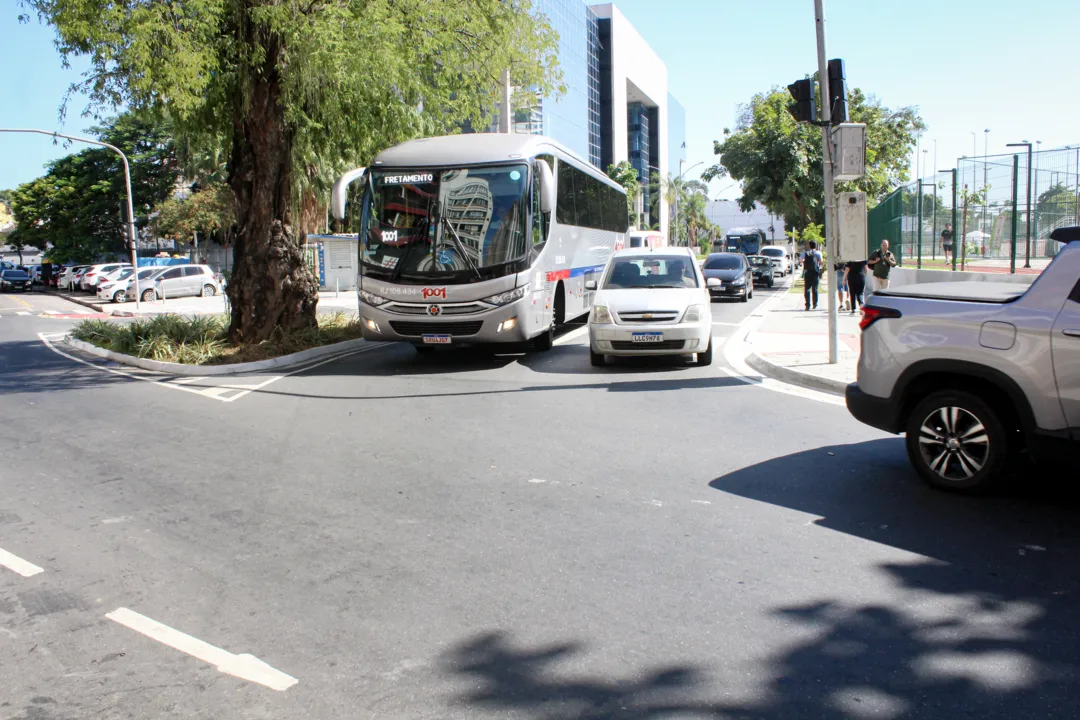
point(871, 314)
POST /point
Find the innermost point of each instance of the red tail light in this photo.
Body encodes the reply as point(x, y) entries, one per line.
point(871, 314)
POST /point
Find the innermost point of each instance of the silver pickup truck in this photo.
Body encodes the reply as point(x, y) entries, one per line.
point(976, 373)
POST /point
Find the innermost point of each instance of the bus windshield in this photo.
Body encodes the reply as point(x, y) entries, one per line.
point(456, 224)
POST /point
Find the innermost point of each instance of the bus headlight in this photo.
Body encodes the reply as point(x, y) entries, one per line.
point(694, 313)
point(509, 296)
point(371, 298)
point(601, 316)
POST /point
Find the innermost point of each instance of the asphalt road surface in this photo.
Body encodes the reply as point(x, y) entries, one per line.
point(468, 535)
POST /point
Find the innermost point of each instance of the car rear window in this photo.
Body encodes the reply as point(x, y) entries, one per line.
point(778, 252)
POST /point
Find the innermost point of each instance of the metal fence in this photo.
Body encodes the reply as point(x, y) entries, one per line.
point(994, 224)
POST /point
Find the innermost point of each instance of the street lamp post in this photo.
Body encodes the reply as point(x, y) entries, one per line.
point(127, 185)
point(1027, 251)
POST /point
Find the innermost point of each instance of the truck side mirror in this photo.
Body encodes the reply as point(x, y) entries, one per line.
point(338, 194)
point(546, 180)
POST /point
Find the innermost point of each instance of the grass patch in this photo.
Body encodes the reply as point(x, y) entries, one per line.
point(203, 340)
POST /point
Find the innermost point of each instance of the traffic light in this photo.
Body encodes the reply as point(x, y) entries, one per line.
point(837, 92)
point(804, 109)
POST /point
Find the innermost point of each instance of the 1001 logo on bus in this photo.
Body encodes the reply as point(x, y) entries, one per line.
point(433, 293)
point(389, 236)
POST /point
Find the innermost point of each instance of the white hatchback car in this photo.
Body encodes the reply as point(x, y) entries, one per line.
point(650, 302)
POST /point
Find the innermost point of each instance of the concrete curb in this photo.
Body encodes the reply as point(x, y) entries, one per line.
point(795, 377)
point(84, 303)
point(278, 363)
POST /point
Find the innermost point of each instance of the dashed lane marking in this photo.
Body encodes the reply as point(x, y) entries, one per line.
point(22, 312)
point(244, 666)
point(17, 565)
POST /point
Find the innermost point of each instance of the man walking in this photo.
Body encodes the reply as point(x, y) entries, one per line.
point(947, 241)
point(812, 265)
point(881, 262)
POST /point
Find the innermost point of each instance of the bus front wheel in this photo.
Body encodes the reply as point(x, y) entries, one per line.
point(545, 340)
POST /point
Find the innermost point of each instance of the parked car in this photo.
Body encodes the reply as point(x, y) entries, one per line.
point(12, 279)
point(66, 279)
point(122, 288)
point(650, 301)
point(763, 269)
point(975, 372)
point(180, 281)
point(94, 273)
point(728, 275)
point(779, 258)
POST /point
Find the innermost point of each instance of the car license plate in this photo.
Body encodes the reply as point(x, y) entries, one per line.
point(437, 339)
point(648, 337)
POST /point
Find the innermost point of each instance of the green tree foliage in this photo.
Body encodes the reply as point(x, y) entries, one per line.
point(209, 211)
point(686, 200)
point(625, 174)
point(779, 161)
point(79, 206)
point(297, 90)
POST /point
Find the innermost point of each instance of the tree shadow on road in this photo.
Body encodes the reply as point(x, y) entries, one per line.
point(29, 367)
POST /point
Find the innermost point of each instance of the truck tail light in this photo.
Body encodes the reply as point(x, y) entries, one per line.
point(871, 314)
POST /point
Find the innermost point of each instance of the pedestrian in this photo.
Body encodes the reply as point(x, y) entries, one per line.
point(947, 242)
point(881, 262)
point(841, 286)
point(855, 277)
point(812, 265)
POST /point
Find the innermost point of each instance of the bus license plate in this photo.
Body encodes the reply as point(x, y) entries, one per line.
point(437, 339)
point(648, 337)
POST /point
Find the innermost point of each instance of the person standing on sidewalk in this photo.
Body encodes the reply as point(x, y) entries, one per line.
point(812, 266)
point(841, 285)
point(947, 242)
point(881, 262)
point(855, 278)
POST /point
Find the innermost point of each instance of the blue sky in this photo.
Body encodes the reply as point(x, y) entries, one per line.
point(968, 65)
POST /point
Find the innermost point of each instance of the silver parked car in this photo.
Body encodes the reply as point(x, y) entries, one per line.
point(975, 372)
point(181, 281)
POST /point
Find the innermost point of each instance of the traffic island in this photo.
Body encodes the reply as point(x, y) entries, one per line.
point(199, 346)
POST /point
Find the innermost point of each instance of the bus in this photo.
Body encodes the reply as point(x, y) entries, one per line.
point(745, 240)
point(646, 238)
point(479, 238)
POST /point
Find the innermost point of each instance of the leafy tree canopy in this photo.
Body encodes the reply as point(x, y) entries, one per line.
point(625, 174)
point(779, 161)
point(209, 211)
point(296, 91)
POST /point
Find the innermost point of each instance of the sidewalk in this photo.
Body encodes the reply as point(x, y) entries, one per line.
point(328, 303)
point(792, 345)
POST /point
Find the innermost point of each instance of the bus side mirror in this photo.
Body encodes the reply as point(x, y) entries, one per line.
point(338, 194)
point(590, 284)
point(547, 185)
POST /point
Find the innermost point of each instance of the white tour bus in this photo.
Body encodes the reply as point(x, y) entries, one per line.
point(480, 238)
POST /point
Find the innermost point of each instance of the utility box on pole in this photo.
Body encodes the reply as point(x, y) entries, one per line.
point(851, 226)
point(849, 151)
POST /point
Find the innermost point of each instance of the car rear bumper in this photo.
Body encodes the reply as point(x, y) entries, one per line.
point(882, 413)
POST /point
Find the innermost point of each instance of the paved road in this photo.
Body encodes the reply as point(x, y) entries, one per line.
point(477, 536)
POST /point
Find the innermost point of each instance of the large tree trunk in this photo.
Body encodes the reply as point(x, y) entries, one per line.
point(271, 286)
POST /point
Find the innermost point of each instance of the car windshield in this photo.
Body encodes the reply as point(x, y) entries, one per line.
point(143, 274)
point(650, 271)
point(453, 225)
point(723, 262)
point(759, 261)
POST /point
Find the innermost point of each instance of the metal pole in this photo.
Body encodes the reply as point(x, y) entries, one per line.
point(1027, 251)
point(918, 226)
point(830, 191)
point(963, 258)
point(1015, 192)
point(1036, 212)
point(961, 239)
point(505, 120)
point(127, 185)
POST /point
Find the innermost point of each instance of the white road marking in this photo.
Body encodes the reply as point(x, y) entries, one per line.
point(702, 502)
point(717, 322)
point(17, 565)
point(111, 521)
point(572, 335)
point(537, 480)
point(212, 392)
point(186, 380)
point(244, 666)
point(22, 312)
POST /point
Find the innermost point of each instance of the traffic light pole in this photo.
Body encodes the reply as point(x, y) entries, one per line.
point(830, 192)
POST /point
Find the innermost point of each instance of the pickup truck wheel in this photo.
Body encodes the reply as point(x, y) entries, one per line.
point(956, 442)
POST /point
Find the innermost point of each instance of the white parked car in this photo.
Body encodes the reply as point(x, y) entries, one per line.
point(650, 302)
point(95, 273)
point(779, 256)
point(122, 287)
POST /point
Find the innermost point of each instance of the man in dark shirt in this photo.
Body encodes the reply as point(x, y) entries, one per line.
point(881, 262)
point(947, 241)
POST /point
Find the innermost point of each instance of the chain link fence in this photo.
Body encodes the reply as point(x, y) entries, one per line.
point(994, 226)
